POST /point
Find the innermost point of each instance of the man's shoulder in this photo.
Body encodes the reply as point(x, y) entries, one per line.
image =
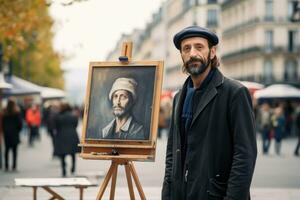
point(136, 125)
point(106, 130)
point(233, 86)
point(232, 83)
point(234, 90)
point(136, 130)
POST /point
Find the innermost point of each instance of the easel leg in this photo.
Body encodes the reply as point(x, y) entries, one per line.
point(130, 187)
point(113, 182)
point(106, 180)
point(137, 181)
point(112, 173)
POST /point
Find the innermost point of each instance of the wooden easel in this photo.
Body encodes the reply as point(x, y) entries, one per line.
point(112, 173)
point(129, 167)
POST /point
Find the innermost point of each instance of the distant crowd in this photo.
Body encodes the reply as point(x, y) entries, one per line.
point(59, 119)
point(277, 121)
point(274, 122)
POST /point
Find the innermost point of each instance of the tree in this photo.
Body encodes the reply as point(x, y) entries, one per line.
point(26, 37)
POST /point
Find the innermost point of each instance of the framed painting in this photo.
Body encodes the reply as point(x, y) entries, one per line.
point(121, 110)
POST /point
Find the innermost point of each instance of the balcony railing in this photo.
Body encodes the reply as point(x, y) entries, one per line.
point(241, 52)
point(259, 50)
point(241, 26)
point(254, 21)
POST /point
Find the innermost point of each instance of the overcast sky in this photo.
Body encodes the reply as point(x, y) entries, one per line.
point(87, 31)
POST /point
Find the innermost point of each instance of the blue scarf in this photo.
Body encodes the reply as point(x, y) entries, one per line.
point(187, 112)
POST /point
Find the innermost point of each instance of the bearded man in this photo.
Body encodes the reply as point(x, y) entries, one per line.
point(124, 126)
point(211, 150)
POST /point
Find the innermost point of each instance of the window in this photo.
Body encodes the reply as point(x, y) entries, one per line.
point(293, 10)
point(189, 3)
point(212, 1)
point(269, 40)
point(292, 40)
point(212, 17)
point(290, 70)
point(269, 10)
point(290, 9)
point(268, 71)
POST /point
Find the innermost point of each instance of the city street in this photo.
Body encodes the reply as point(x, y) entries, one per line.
point(120, 65)
point(276, 177)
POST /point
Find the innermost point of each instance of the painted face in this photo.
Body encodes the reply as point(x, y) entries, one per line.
point(121, 102)
point(196, 55)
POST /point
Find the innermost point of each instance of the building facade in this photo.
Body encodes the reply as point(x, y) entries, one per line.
point(180, 14)
point(260, 42)
point(155, 42)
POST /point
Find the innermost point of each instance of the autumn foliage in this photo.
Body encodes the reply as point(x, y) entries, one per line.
point(26, 38)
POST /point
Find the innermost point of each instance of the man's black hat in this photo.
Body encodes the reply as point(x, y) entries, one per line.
point(195, 31)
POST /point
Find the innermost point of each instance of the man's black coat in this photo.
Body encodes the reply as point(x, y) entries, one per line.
point(221, 145)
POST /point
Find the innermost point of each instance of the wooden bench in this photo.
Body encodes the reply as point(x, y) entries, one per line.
point(46, 183)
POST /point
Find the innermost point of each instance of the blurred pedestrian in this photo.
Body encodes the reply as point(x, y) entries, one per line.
point(66, 137)
point(278, 122)
point(52, 111)
point(297, 124)
point(211, 150)
point(33, 119)
point(162, 121)
point(11, 125)
point(265, 124)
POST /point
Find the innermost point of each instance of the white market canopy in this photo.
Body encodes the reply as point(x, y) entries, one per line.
point(278, 91)
point(52, 93)
point(21, 87)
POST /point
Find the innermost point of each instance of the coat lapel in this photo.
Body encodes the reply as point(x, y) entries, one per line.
point(179, 103)
point(209, 94)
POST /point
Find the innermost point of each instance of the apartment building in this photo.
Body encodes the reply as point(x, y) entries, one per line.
point(114, 54)
point(155, 42)
point(260, 42)
point(179, 14)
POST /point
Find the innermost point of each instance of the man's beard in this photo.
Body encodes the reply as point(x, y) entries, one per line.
point(120, 112)
point(196, 69)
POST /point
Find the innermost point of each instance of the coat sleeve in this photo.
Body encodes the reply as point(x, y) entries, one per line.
point(166, 189)
point(242, 125)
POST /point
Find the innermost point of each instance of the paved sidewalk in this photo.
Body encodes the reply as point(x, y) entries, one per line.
point(152, 193)
point(275, 178)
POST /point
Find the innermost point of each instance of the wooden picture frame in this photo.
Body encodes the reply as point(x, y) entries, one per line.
point(142, 82)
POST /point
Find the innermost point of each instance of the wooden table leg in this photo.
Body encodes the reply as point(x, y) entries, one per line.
point(113, 182)
point(34, 192)
point(105, 182)
point(129, 182)
point(137, 181)
point(54, 194)
point(81, 188)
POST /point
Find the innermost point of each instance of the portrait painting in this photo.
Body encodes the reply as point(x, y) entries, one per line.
point(121, 102)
